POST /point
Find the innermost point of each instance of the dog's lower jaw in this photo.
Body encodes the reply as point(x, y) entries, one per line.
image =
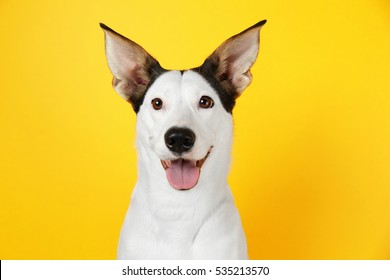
point(163, 223)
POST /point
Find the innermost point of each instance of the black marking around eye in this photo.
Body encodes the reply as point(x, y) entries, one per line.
point(226, 95)
point(207, 71)
point(154, 71)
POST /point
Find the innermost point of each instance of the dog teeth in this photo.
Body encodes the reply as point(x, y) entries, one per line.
point(199, 163)
point(166, 164)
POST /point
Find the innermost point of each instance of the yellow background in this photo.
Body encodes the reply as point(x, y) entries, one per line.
point(311, 157)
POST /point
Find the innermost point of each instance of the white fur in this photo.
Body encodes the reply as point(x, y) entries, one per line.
point(200, 223)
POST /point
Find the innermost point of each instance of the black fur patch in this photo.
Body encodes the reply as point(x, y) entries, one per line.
point(227, 97)
point(154, 71)
point(207, 71)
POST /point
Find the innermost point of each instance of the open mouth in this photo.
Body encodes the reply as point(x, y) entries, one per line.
point(183, 174)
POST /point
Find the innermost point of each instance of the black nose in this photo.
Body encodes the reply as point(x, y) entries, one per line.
point(179, 140)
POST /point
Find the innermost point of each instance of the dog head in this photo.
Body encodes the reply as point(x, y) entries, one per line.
point(183, 117)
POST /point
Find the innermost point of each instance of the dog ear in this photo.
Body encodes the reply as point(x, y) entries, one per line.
point(231, 61)
point(132, 67)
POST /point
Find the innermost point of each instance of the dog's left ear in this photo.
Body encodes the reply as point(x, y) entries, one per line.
point(231, 61)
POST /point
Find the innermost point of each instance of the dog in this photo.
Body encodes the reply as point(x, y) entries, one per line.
point(181, 206)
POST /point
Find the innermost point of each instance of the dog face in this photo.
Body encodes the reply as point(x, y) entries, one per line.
point(183, 116)
point(179, 121)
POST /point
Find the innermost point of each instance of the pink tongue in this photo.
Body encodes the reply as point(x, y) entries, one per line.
point(183, 174)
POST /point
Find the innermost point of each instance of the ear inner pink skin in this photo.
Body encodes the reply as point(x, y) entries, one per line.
point(183, 174)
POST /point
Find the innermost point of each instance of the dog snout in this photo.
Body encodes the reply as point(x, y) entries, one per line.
point(179, 140)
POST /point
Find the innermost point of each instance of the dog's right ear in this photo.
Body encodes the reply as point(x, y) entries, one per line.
point(132, 67)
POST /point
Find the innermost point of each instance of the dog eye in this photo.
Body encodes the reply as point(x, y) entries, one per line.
point(206, 102)
point(157, 103)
